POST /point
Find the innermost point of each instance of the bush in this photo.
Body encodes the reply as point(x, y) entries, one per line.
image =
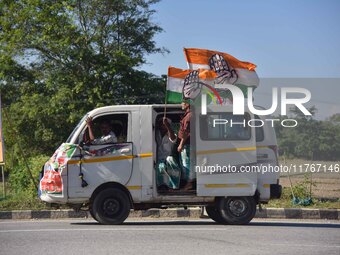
point(22, 201)
point(302, 189)
point(20, 180)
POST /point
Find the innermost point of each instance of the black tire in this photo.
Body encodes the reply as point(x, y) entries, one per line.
point(92, 214)
point(214, 214)
point(111, 206)
point(236, 210)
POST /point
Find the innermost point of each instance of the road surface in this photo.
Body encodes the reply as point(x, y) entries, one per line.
point(163, 237)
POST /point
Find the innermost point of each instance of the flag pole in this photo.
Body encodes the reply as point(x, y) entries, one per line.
point(166, 94)
point(165, 102)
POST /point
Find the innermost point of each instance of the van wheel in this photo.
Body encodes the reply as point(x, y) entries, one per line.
point(236, 210)
point(92, 214)
point(111, 206)
point(214, 214)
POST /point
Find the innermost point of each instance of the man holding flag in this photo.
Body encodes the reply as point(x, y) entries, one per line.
point(207, 70)
point(184, 146)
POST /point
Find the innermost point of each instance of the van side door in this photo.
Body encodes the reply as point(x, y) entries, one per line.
point(104, 162)
point(224, 144)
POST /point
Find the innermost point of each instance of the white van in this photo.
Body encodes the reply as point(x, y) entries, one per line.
point(111, 179)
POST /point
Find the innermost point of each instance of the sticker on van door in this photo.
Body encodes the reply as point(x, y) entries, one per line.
point(51, 182)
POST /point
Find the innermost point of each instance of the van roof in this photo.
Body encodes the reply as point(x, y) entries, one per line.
point(129, 107)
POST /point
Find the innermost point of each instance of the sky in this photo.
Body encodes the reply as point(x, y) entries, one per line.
point(285, 39)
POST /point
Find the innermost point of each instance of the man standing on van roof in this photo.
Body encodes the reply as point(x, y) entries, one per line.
point(108, 136)
point(184, 146)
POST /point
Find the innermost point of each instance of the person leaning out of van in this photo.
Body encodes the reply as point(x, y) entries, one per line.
point(168, 169)
point(184, 146)
point(108, 136)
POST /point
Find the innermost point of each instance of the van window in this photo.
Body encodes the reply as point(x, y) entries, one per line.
point(223, 130)
point(75, 129)
point(118, 123)
point(259, 131)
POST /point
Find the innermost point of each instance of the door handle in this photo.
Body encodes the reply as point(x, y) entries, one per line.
point(125, 150)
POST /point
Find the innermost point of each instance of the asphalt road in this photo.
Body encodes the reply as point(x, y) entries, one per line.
point(162, 237)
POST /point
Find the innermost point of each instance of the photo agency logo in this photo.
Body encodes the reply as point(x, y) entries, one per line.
point(238, 105)
point(222, 84)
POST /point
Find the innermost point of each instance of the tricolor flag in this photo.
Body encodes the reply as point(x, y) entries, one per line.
point(228, 69)
point(188, 84)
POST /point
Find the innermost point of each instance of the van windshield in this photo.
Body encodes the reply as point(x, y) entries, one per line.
point(76, 128)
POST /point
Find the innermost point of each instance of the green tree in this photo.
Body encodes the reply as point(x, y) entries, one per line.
point(311, 139)
point(60, 59)
point(335, 118)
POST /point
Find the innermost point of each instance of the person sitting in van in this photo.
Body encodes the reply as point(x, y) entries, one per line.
point(184, 146)
point(108, 136)
point(168, 169)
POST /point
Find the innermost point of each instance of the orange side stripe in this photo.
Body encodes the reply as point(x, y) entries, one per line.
point(98, 160)
point(229, 185)
point(134, 187)
point(226, 150)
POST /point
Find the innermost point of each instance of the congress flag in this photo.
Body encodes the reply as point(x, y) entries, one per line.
point(188, 84)
point(228, 69)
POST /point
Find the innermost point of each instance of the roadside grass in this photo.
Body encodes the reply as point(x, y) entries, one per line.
point(286, 202)
point(20, 200)
point(322, 182)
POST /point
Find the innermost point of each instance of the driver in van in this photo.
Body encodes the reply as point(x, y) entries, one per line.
point(108, 136)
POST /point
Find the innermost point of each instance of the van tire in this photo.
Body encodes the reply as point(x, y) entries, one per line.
point(236, 210)
point(92, 214)
point(111, 206)
point(214, 214)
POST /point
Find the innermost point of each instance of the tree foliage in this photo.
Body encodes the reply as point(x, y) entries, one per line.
point(311, 139)
point(60, 59)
